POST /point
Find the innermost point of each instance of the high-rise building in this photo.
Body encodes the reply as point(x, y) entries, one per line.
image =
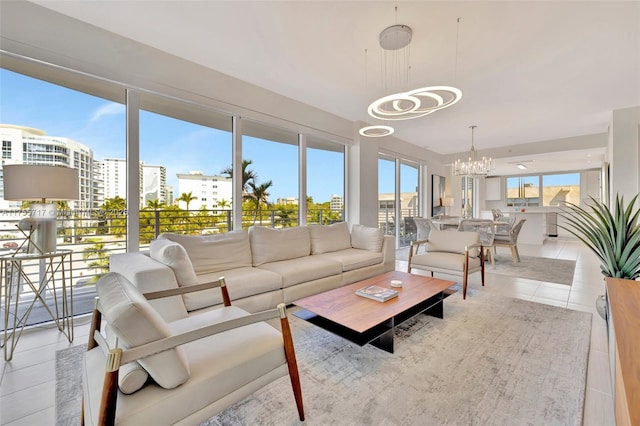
point(154, 184)
point(207, 190)
point(114, 176)
point(153, 180)
point(27, 145)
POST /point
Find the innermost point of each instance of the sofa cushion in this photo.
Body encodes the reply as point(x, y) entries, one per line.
point(366, 238)
point(174, 256)
point(303, 269)
point(352, 258)
point(326, 238)
point(135, 323)
point(272, 245)
point(241, 283)
point(213, 253)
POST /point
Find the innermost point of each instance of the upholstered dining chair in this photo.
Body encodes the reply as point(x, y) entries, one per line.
point(454, 253)
point(423, 227)
point(183, 371)
point(510, 240)
point(486, 229)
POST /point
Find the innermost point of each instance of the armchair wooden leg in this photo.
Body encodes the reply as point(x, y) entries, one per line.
point(107, 415)
point(465, 276)
point(290, 355)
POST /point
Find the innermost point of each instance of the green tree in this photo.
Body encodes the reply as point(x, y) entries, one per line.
point(187, 197)
point(248, 175)
point(154, 205)
point(224, 204)
point(258, 195)
point(113, 216)
point(98, 258)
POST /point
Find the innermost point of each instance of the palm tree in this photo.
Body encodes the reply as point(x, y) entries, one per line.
point(155, 204)
point(258, 195)
point(224, 204)
point(187, 197)
point(247, 174)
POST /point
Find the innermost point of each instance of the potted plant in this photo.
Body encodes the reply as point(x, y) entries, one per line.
point(614, 236)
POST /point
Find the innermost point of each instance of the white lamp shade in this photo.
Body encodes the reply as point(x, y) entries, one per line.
point(26, 182)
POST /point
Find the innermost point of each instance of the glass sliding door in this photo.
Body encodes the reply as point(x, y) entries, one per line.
point(409, 201)
point(271, 174)
point(387, 195)
point(325, 181)
point(185, 154)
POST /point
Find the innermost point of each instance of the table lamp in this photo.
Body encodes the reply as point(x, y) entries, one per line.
point(43, 184)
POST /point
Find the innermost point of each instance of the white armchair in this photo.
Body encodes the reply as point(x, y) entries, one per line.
point(455, 253)
point(198, 365)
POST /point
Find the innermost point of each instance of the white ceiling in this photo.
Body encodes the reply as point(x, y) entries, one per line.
point(529, 71)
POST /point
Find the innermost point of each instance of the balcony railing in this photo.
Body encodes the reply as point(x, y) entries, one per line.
point(94, 236)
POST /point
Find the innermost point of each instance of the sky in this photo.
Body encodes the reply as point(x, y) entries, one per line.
point(178, 145)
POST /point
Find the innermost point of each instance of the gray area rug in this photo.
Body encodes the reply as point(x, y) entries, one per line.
point(557, 271)
point(491, 361)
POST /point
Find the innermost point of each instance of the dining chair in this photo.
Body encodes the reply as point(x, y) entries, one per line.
point(486, 229)
point(510, 240)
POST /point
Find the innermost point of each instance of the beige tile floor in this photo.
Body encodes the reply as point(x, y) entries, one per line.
point(27, 382)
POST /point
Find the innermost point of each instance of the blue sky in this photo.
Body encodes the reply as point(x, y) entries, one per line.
point(178, 145)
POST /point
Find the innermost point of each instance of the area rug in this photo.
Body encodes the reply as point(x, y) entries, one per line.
point(559, 271)
point(491, 360)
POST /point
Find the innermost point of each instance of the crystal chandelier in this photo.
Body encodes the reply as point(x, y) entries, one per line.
point(473, 167)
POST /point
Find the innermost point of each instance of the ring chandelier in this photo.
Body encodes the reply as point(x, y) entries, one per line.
point(410, 104)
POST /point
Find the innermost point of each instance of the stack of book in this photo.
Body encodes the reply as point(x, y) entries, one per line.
point(375, 292)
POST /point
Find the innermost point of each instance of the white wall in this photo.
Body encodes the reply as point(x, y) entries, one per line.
point(623, 152)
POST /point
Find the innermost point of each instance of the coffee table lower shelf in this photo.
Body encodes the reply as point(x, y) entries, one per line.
point(380, 335)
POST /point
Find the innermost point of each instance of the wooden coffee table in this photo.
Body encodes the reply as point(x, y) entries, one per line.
point(361, 320)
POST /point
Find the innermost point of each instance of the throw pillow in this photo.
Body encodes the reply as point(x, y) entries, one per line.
point(272, 245)
point(132, 376)
point(329, 238)
point(174, 256)
point(366, 238)
point(135, 323)
point(215, 253)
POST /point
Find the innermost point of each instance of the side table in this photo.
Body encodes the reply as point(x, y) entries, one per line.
point(53, 271)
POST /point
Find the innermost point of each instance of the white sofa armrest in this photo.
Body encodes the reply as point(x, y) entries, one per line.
point(389, 252)
point(149, 276)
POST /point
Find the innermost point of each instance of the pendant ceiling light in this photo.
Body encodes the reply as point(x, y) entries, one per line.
point(473, 166)
point(405, 104)
point(378, 130)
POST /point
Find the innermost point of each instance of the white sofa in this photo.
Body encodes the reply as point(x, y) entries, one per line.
point(262, 266)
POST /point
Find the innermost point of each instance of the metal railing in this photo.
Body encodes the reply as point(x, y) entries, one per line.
point(94, 236)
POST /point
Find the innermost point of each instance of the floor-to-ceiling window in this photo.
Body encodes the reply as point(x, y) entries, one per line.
point(45, 123)
point(185, 160)
point(270, 175)
point(325, 167)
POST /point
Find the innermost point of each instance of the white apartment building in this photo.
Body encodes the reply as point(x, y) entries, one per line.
point(28, 145)
point(209, 190)
point(153, 180)
point(337, 203)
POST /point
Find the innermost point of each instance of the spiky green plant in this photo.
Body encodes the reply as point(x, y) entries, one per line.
point(614, 236)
